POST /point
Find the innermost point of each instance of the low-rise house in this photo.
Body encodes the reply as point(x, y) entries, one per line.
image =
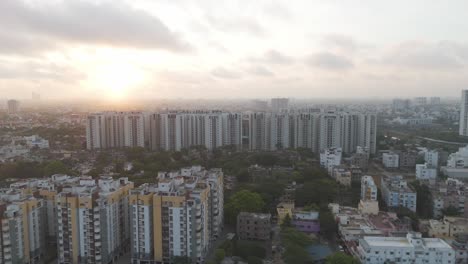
point(396, 193)
point(448, 227)
point(253, 226)
point(306, 221)
point(410, 249)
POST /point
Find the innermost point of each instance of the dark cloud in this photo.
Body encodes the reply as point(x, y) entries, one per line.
point(427, 56)
point(329, 61)
point(260, 71)
point(221, 72)
point(106, 23)
point(241, 24)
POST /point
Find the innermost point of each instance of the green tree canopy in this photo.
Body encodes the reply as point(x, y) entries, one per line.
point(243, 201)
point(451, 211)
point(341, 258)
point(55, 167)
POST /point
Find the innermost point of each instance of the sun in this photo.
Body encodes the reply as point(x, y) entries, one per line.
point(117, 79)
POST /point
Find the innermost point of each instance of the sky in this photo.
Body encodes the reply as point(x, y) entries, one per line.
point(153, 49)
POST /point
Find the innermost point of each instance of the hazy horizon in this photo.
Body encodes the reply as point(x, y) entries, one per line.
point(145, 50)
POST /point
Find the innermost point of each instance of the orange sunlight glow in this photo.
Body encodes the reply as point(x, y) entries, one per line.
point(116, 80)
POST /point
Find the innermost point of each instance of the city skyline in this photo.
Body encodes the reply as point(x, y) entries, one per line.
point(119, 50)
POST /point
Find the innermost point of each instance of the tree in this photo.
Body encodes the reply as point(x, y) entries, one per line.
point(243, 175)
point(296, 244)
point(341, 258)
point(451, 211)
point(328, 226)
point(181, 260)
point(286, 221)
point(245, 249)
point(254, 260)
point(243, 201)
point(424, 205)
point(219, 255)
point(319, 191)
point(55, 167)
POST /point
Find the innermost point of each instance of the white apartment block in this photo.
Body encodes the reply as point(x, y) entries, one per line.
point(391, 160)
point(268, 131)
point(329, 158)
point(410, 249)
point(23, 239)
point(134, 129)
point(181, 215)
point(431, 157)
point(425, 172)
point(396, 193)
point(115, 130)
point(463, 129)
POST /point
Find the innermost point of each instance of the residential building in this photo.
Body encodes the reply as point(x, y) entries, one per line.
point(342, 176)
point(431, 157)
point(253, 226)
point(391, 160)
point(306, 221)
point(425, 172)
point(449, 194)
point(37, 142)
point(457, 164)
point(448, 227)
point(93, 220)
point(408, 159)
point(463, 124)
point(181, 215)
point(115, 130)
point(460, 245)
point(13, 106)
point(368, 207)
point(368, 189)
point(420, 101)
point(410, 249)
point(21, 228)
point(313, 129)
point(360, 159)
point(396, 193)
point(330, 158)
point(354, 224)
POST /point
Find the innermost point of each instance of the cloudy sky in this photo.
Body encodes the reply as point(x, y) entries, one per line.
point(115, 49)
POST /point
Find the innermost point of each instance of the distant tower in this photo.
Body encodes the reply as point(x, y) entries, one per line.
point(13, 106)
point(464, 114)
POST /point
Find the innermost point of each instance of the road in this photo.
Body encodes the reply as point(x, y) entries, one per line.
point(443, 141)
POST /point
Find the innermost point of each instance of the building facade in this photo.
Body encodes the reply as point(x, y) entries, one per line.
point(253, 226)
point(396, 193)
point(410, 249)
point(313, 129)
point(181, 215)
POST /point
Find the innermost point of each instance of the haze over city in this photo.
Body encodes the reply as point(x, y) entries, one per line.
point(140, 49)
point(233, 132)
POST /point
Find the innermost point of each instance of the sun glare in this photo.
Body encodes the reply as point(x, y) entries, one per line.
point(117, 80)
